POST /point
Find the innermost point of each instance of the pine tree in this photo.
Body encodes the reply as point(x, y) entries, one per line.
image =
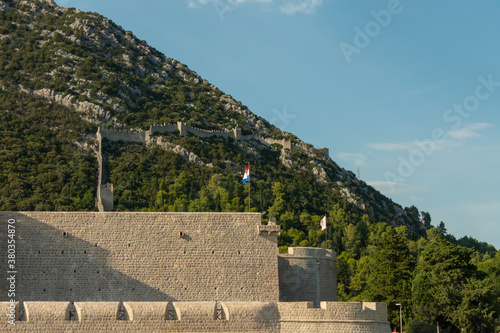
point(390, 275)
point(449, 290)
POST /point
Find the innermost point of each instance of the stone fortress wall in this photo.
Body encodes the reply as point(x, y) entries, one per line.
point(183, 130)
point(121, 256)
point(104, 197)
point(302, 272)
point(282, 317)
point(182, 272)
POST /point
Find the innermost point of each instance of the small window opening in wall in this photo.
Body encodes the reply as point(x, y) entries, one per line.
point(95, 244)
point(84, 252)
point(99, 289)
point(213, 252)
point(72, 312)
point(181, 234)
point(218, 312)
point(239, 252)
point(22, 312)
point(38, 252)
point(74, 271)
point(62, 252)
point(184, 251)
point(122, 314)
point(185, 288)
point(128, 244)
point(172, 315)
point(97, 272)
point(44, 290)
point(65, 234)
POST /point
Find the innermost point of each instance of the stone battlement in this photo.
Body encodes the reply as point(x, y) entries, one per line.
point(183, 129)
point(311, 252)
point(353, 317)
point(138, 311)
point(277, 317)
point(104, 196)
point(301, 272)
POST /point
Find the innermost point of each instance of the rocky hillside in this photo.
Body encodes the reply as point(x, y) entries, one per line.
point(64, 73)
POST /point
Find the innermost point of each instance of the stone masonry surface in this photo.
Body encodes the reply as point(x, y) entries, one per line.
point(143, 257)
point(302, 272)
point(285, 317)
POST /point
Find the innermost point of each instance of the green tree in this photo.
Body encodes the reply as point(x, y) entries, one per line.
point(279, 204)
point(390, 275)
point(449, 290)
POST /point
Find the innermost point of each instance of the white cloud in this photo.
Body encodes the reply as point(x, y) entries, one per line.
point(396, 188)
point(414, 145)
point(491, 208)
point(390, 146)
point(357, 159)
point(301, 6)
point(423, 90)
point(195, 3)
point(469, 131)
point(453, 138)
point(285, 6)
point(416, 200)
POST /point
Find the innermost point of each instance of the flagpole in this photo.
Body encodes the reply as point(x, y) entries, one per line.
point(249, 185)
point(326, 236)
point(326, 233)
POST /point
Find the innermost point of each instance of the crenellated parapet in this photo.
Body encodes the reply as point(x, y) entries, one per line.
point(269, 229)
point(122, 135)
point(145, 317)
point(334, 317)
point(104, 198)
point(301, 274)
point(285, 317)
point(183, 130)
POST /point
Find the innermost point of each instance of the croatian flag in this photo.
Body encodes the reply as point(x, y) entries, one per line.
point(246, 176)
point(323, 223)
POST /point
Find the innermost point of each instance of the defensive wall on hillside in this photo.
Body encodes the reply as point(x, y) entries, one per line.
point(104, 196)
point(184, 130)
point(182, 272)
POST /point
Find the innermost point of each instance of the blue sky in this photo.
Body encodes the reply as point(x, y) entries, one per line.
point(406, 91)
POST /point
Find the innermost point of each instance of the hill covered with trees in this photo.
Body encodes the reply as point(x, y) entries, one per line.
point(64, 73)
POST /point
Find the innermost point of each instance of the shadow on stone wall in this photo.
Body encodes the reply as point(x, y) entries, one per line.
point(297, 284)
point(53, 265)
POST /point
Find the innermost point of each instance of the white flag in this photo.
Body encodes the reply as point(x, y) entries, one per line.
point(323, 223)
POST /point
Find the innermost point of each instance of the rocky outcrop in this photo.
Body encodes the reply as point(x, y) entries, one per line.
point(183, 152)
